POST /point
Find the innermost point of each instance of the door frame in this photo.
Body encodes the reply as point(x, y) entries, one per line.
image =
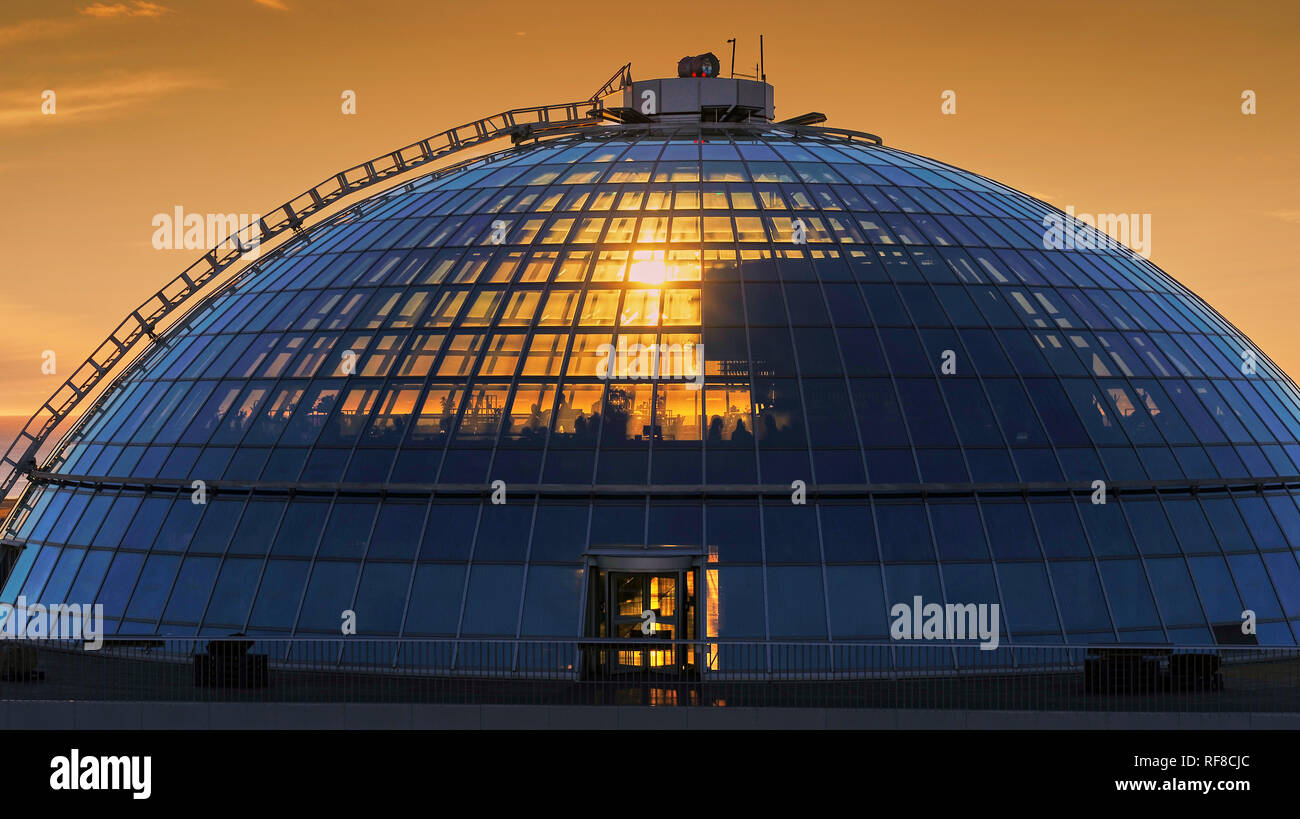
point(602, 566)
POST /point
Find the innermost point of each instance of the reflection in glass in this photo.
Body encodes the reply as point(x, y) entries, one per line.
point(484, 408)
point(727, 408)
point(530, 413)
point(578, 413)
point(677, 412)
point(437, 414)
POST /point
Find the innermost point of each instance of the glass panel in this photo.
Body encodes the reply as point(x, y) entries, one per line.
point(492, 601)
point(485, 406)
point(329, 593)
point(796, 603)
point(551, 601)
point(435, 599)
point(437, 414)
point(677, 413)
point(599, 308)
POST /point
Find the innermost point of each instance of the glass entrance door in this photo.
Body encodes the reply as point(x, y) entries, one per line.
point(646, 610)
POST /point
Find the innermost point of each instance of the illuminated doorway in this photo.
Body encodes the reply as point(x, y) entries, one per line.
point(644, 611)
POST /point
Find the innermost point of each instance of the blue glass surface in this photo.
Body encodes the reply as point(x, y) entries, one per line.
point(923, 334)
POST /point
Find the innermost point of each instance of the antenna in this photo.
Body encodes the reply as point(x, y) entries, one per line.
point(734, 74)
point(762, 66)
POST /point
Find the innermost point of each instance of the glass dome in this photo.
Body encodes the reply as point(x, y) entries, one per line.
point(885, 328)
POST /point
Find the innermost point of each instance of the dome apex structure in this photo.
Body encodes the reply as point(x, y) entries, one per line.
point(767, 380)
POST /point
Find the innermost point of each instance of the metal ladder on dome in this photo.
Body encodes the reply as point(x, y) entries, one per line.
point(520, 124)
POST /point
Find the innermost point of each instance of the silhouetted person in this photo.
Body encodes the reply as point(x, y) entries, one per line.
point(741, 435)
point(715, 430)
point(770, 430)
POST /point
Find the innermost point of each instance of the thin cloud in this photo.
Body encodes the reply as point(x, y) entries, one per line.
point(278, 5)
point(78, 101)
point(34, 30)
point(136, 8)
point(44, 28)
point(1292, 216)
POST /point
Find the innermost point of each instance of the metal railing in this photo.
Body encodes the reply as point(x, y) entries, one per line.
point(619, 80)
point(657, 672)
point(519, 124)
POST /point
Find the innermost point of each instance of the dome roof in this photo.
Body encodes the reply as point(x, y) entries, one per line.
point(893, 332)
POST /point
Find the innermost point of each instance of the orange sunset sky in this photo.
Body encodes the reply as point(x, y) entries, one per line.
point(233, 106)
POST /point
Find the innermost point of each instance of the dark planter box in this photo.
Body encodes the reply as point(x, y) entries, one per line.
point(1121, 674)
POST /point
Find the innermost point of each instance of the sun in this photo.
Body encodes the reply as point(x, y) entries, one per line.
point(649, 269)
